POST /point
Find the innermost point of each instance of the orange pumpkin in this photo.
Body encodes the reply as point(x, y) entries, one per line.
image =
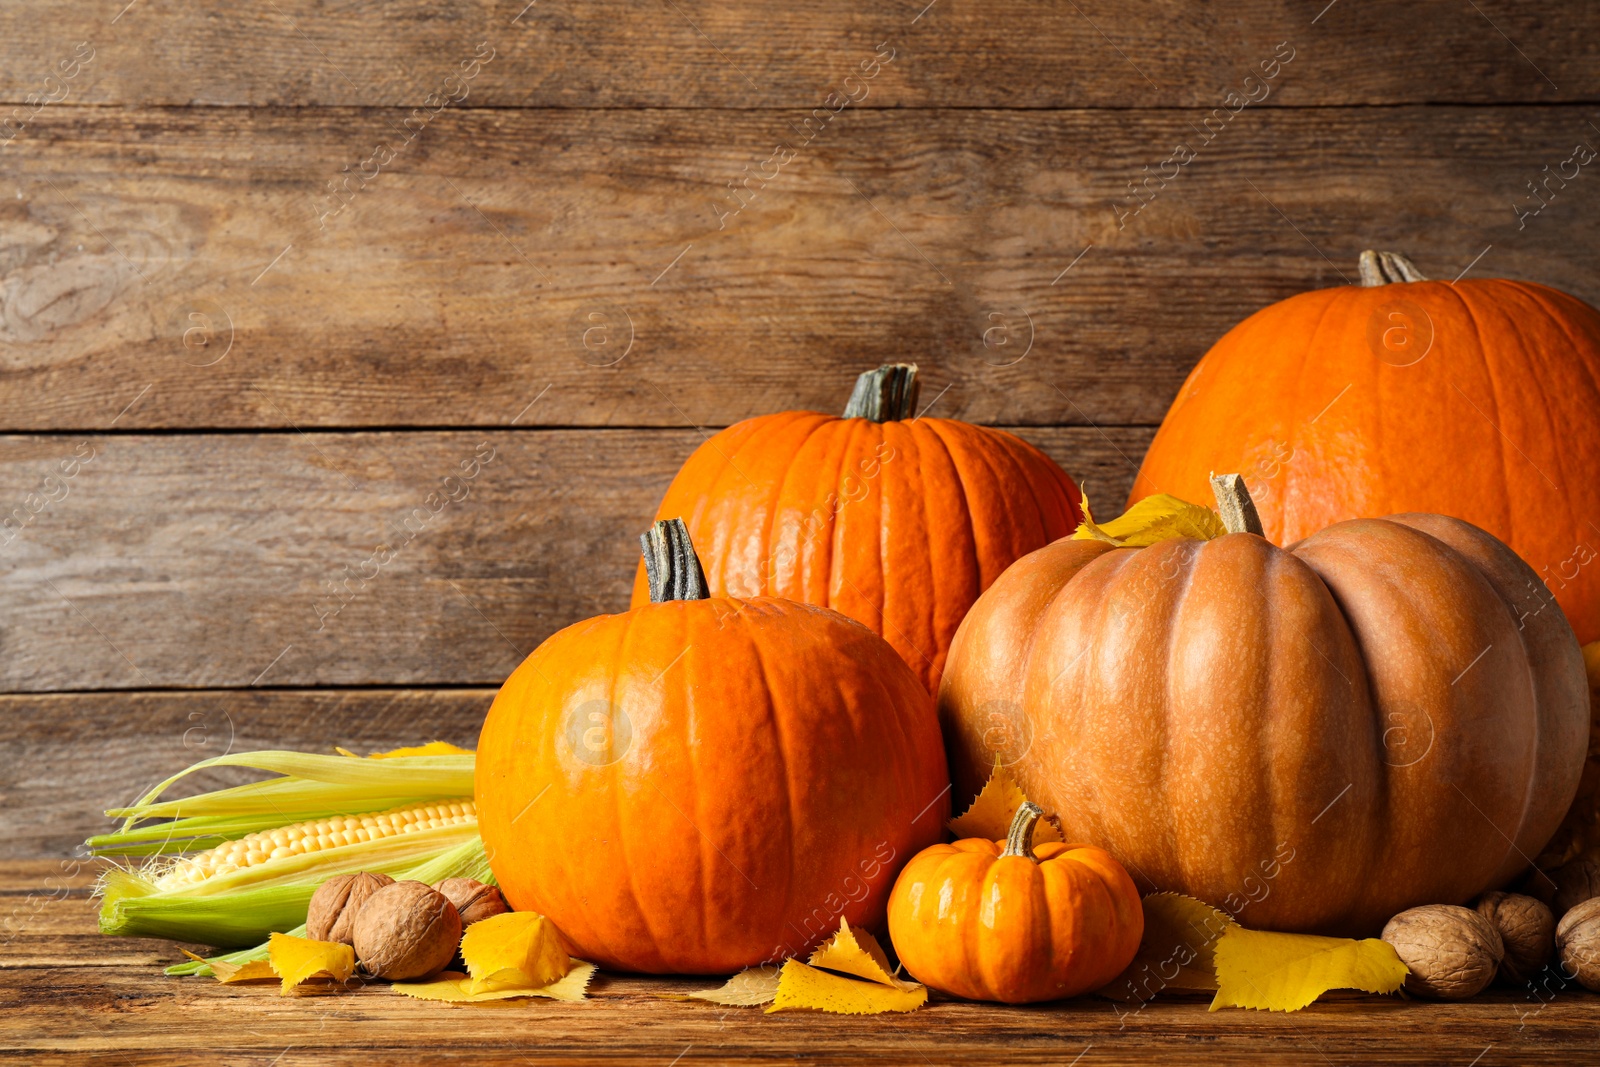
point(1391, 712)
point(1013, 922)
point(703, 784)
point(1478, 399)
point(898, 522)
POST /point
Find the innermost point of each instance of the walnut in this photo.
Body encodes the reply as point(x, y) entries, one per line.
point(406, 930)
point(334, 906)
point(472, 899)
point(1452, 952)
point(1578, 941)
point(1527, 929)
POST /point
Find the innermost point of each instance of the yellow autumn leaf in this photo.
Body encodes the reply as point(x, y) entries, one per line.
point(432, 748)
point(856, 952)
point(456, 988)
point(294, 959)
point(751, 986)
point(1162, 517)
point(803, 987)
point(1285, 972)
point(228, 973)
point(521, 947)
point(993, 808)
point(1177, 952)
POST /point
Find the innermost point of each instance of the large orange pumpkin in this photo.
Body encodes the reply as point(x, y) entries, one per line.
point(1013, 922)
point(704, 784)
point(1314, 737)
point(1478, 399)
point(898, 522)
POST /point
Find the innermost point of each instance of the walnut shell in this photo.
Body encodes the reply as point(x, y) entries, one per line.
point(1452, 952)
point(334, 906)
point(406, 930)
point(1575, 883)
point(1578, 941)
point(472, 899)
point(1527, 930)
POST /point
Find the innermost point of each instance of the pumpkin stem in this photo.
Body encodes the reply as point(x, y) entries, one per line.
point(887, 394)
point(1386, 268)
point(1238, 511)
point(1019, 840)
point(670, 565)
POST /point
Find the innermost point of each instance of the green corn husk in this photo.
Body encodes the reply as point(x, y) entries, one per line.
point(243, 906)
point(464, 861)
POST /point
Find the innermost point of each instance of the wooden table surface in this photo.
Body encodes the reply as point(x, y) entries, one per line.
point(269, 273)
point(68, 995)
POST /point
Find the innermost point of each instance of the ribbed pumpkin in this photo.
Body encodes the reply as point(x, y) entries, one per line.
point(898, 522)
point(703, 784)
point(1478, 399)
point(1013, 922)
point(1383, 715)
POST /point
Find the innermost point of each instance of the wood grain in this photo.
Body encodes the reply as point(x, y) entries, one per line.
point(71, 756)
point(68, 995)
point(726, 54)
point(198, 560)
point(166, 268)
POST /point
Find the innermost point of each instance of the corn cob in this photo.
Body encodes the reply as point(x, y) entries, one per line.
point(306, 837)
point(263, 848)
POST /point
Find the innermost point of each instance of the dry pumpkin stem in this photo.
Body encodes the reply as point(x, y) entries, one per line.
point(670, 563)
point(1238, 511)
point(1019, 839)
point(887, 394)
point(1386, 268)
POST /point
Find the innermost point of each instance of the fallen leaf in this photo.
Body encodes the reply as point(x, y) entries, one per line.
point(1177, 951)
point(1285, 972)
point(1162, 517)
point(456, 988)
point(517, 947)
point(752, 986)
point(857, 952)
point(803, 987)
point(294, 959)
point(992, 810)
point(226, 973)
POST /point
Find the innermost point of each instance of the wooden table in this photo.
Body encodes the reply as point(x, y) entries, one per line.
point(68, 995)
point(258, 343)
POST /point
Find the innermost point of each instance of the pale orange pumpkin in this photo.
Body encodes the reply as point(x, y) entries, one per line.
point(1391, 712)
point(704, 784)
point(897, 521)
point(1015, 922)
point(1478, 399)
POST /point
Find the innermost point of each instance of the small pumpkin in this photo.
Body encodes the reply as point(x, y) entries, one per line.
point(1013, 922)
point(897, 521)
point(704, 784)
point(1314, 738)
point(1476, 398)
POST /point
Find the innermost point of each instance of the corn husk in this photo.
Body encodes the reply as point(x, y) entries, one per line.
point(243, 906)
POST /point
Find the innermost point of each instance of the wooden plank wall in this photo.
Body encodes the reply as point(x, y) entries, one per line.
point(268, 273)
